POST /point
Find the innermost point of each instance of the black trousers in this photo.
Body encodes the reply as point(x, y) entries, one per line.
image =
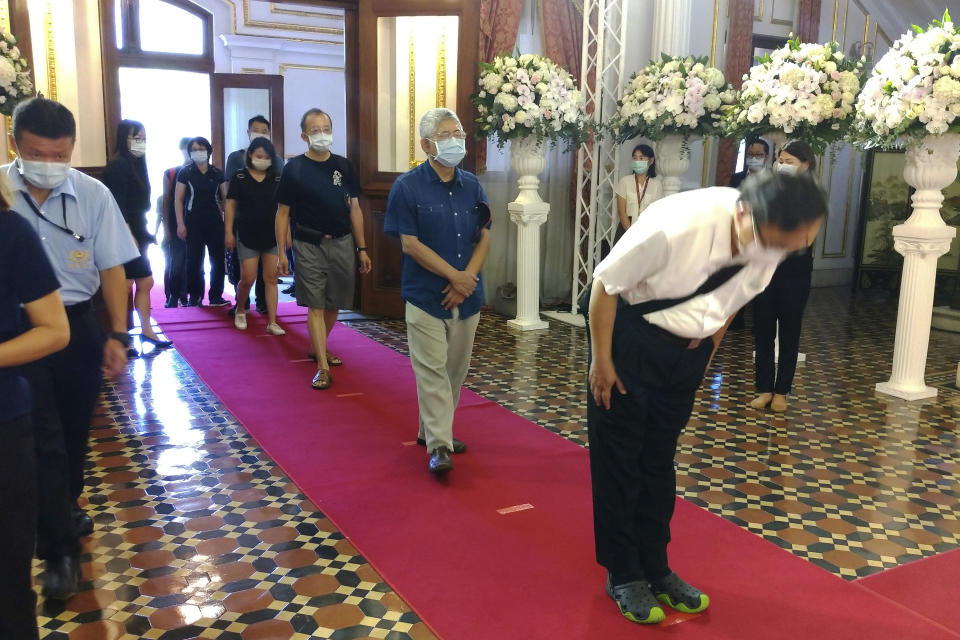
point(259, 288)
point(633, 445)
point(205, 232)
point(18, 534)
point(175, 258)
point(782, 303)
point(65, 387)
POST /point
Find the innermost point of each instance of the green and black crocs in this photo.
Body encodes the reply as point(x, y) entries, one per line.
point(636, 601)
point(677, 594)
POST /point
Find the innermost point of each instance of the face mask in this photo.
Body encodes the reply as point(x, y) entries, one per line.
point(321, 142)
point(138, 148)
point(254, 135)
point(788, 169)
point(640, 166)
point(450, 152)
point(755, 164)
point(756, 251)
point(44, 175)
point(261, 164)
point(199, 157)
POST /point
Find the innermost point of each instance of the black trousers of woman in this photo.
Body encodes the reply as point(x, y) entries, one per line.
point(781, 304)
point(205, 231)
point(633, 445)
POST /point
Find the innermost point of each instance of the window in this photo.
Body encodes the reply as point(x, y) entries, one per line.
point(169, 29)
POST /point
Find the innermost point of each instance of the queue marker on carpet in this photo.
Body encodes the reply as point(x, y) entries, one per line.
point(517, 507)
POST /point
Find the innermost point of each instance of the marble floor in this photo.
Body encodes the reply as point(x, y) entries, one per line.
point(199, 535)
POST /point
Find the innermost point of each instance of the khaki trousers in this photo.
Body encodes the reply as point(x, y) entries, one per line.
point(440, 351)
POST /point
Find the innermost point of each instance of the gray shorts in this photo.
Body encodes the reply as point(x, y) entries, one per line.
point(245, 253)
point(325, 273)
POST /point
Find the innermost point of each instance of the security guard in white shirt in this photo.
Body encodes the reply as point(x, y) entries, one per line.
point(658, 308)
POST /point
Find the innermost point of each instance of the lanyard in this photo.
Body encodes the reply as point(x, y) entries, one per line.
point(63, 209)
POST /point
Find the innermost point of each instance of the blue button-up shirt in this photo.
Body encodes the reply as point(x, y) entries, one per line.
point(85, 206)
point(444, 217)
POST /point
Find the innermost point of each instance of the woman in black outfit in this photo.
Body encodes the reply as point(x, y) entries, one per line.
point(201, 190)
point(126, 177)
point(782, 304)
point(251, 209)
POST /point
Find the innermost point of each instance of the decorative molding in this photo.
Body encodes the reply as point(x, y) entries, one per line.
point(759, 15)
point(274, 9)
point(411, 98)
point(833, 30)
point(285, 26)
point(779, 21)
point(234, 31)
point(282, 68)
point(442, 71)
point(5, 16)
point(51, 52)
point(251, 70)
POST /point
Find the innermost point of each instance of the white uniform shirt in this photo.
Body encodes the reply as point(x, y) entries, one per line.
point(627, 189)
point(672, 249)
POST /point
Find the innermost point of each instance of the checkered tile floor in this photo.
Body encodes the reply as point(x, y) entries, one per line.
point(199, 535)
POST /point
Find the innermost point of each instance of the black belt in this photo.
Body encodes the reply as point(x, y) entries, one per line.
point(689, 343)
point(79, 308)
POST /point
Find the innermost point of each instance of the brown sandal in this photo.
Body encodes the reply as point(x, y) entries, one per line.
point(322, 380)
point(332, 360)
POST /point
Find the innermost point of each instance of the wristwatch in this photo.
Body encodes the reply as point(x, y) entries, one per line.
point(121, 337)
point(359, 249)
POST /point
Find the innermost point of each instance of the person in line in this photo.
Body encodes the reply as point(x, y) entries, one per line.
point(779, 309)
point(758, 151)
point(257, 127)
point(659, 305)
point(251, 209)
point(87, 241)
point(27, 282)
point(174, 249)
point(126, 177)
point(440, 213)
point(636, 191)
point(201, 190)
point(319, 193)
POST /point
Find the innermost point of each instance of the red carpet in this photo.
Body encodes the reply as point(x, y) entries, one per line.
point(470, 571)
point(928, 586)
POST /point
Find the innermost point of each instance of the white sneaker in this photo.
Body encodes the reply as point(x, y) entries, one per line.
point(240, 321)
point(274, 329)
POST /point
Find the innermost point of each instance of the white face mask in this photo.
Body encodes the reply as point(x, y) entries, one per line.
point(199, 157)
point(755, 164)
point(261, 164)
point(138, 148)
point(321, 142)
point(44, 175)
point(254, 135)
point(788, 169)
point(756, 251)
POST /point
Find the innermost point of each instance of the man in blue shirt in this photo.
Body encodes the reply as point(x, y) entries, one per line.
point(87, 242)
point(440, 214)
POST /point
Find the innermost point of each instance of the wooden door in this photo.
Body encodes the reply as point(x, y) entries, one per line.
point(237, 97)
point(380, 290)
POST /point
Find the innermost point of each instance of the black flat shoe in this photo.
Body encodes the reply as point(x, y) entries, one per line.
point(440, 461)
point(157, 342)
point(171, 303)
point(62, 578)
point(458, 445)
point(82, 523)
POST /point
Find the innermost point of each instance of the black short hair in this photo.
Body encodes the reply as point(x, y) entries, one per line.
point(784, 200)
point(257, 119)
point(259, 143)
point(758, 140)
point(313, 112)
point(44, 118)
point(125, 129)
point(203, 142)
point(802, 152)
point(647, 151)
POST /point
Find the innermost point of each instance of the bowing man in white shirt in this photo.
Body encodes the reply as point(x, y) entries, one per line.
point(659, 306)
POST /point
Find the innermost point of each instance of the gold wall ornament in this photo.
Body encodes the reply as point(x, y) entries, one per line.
point(299, 12)
point(51, 52)
point(412, 97)
point(284, 26)
point(705, 169)
point(442, 70)
point(283, 66)
point(234, 31)
point(5, 16)
point(8, 127)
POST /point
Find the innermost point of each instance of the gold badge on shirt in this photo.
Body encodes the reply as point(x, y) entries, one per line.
point(79, 258)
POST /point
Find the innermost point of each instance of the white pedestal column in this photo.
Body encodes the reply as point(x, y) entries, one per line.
point(528, 212)
point(673, 160)
point(924, 237)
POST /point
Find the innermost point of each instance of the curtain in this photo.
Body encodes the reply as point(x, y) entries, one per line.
point(739, 59)
point(499, 22)
point(562, 22)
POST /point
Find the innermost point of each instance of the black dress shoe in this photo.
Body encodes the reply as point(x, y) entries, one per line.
point(82, 523)
point(217, 302)
point(62, 578)
point(183, 302)
point(289, 290)
point(458, 445)
point(190, 303)
point(171, 302)
point(440, 460)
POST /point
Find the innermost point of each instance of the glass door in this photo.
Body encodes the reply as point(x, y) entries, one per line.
point(237, 97)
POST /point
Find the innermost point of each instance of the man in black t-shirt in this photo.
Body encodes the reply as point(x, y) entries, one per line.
point(319, 191)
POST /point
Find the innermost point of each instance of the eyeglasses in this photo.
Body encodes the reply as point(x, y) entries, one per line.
point(761, 156)
point(446, 135)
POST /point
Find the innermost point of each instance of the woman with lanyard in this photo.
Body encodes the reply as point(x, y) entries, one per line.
point(201, 187)
point(126, 177)
point(636, 191)
point(252, 205)
point(779, 309)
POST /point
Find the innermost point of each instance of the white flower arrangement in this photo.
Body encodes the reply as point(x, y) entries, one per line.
point(529, 95)
point(914, 89)
point(15, 85)
point(673, 96)
point(805, 90)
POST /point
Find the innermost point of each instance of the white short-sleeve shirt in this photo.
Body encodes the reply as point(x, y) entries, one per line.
point(672, 249)
point(627, 189)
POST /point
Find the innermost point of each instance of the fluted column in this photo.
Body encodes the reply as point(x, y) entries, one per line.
point(931, 166)
point(528, 212)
